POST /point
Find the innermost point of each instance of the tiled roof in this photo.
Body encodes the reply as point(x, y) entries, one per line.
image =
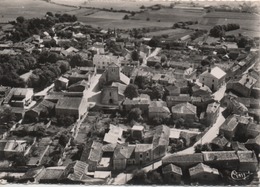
point(171, 168)
point(72, 103)
point(185, 159)
point(202, 168)
point(220, 156)
point(161, 136)
point(143, 147)
point(123, 151)
point(184, 108)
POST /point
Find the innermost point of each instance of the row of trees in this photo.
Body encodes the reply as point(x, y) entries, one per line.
point(13, 66)
point(24, 28)
point(219, 30)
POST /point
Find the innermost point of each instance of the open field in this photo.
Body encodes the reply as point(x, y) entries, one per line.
point(171, 15)
point(172, 33)
point(10, 10)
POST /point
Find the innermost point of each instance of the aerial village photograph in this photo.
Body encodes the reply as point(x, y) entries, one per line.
point(130, 92)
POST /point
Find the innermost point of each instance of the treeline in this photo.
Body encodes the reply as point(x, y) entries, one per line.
point(24, 28)
point(50, 66)
point(13, 66)
point(219, 30)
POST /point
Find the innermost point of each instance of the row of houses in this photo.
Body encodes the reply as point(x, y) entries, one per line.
point(206, 166)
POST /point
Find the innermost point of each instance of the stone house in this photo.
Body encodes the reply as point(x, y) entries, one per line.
point(172, 174)
point(242, 85)
point(61, 84)
point(73, 106)
point(143, 153)
point(202, 173)
point(175, 100)
point(123, 155)
point(213, 78)
point(158, 109)
point(185, 110)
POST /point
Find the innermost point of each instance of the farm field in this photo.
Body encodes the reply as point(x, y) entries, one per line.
point(171, 15)
point(10, 10)
point(172, 33)
point(120, 23)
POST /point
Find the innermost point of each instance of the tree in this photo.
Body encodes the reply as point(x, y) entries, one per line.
point(19, 160)
point(135, 55)
point(156, 121)
point(139, 177)
point(65, 120)
point(126, 17)
point(154, 177)
point(20, 19)
point(131, 91)
point(154, 42)
point(134, 114)
point(49, 14)
point(158, 92)
point(147, 19)
point(142, 7)
point(6, 115)
point(242, 42)
point(63, 65)
point(157, 65)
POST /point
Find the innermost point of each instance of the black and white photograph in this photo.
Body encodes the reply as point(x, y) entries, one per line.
point(130, 92)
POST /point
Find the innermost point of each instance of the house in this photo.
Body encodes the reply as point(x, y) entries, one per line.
point(151, 61)
point(172, 174)
point(51, 175)
point(172, 90)
point(43, 109)
point(143, 153)
point(219, 143)
point(233, 106)
point(123, 155)
point(137, 132)
point(212, 113)
point(9, 148)
point(19, 97)
point(175, 100)
point(80, 86)
point(92, 155)
point(128, 70)
point(73, 106)
point(186, 111)
point(142, 102)
point(253, 144)
point(114, 135)
point(158, 109)
point(243, 85)
point(183, 161)
point(102, 61)
point(247, 161)
point(221, 159)
point(79, 74)
point(61, 84)
point(164, 79)
point(203, 173)
point(213, 78)
point(75, 172)
point(200, 90)
point(160, 141)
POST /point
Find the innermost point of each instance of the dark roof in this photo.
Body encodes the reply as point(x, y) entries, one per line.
point(123, 151)
point(76, 171)
point(183, 159)
point(237, 146)
point(161, 136)
point(202, 168)
point(220, 141)
point(219, 156)
point(72, 103)
point(184, 108)
point(247, 156)
point(170, 168)
point(32, 173)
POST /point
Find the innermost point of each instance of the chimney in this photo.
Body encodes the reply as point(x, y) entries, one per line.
point(209, 70)
point(202, 84)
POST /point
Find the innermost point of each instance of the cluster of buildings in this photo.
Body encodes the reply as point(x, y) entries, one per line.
point(190, 96)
